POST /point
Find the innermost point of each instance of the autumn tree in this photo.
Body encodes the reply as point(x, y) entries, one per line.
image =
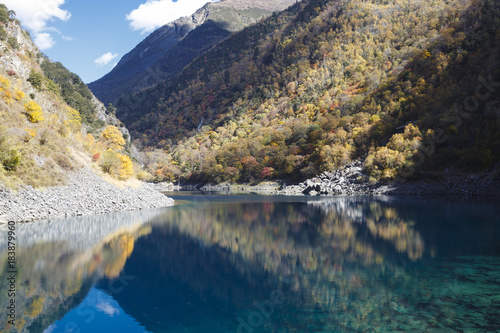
point(34, 112)
point(113, 138)
point(126, 169)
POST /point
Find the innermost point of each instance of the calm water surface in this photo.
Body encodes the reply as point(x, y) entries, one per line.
point(245, 264)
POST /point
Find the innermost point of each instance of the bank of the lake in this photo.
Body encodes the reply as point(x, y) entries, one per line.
point(85, 193)
point(351, 180)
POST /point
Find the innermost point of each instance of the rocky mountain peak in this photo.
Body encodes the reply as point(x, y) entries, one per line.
point(171, 47)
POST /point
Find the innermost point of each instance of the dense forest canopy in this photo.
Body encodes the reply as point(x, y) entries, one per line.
point(406, 86)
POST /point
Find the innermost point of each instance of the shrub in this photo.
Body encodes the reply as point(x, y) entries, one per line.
point(20, 324)
point(4, 13)
point(8, 96)
point(110, 162)
point(30, 134)
point(373, 119)
point(44, 137)
point(3, 33)
point(10, 158)
point(34, 112)
point(63, 161)
point(117, 165)
point(88, 142)
point(36, 80)
point(19, 95)
point(63, 129)
point(12, 41)
point(144, 176)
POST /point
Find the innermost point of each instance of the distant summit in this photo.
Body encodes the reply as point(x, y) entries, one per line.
point(167, 50)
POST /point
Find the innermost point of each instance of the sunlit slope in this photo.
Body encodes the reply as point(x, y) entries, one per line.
point(408, 87)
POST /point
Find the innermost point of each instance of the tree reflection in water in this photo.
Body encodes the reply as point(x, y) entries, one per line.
point(343, 263)
point(57, 266)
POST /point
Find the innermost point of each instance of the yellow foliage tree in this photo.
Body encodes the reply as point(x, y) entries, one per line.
point(126, 169)
point(113, 138)
point(386, 162)
point(34, 112)
point(117, 165)
point(73, 118)
point(335, 156)
point(373, 119)
point(4, 83)
point(18, 95)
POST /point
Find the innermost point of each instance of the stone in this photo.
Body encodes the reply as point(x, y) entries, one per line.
point(85, 194)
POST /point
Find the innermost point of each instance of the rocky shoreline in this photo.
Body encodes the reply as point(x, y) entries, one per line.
point(86, 193)
point(350, 180)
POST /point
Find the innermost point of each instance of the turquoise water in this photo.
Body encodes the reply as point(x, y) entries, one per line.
point(217, 263)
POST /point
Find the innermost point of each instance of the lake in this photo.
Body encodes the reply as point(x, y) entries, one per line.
point(248, 263)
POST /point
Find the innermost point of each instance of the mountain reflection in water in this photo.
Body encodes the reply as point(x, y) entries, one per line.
point(275, 264)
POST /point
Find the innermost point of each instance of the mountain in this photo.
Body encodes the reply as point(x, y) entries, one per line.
point(51, 122)
point(408, 88)
point(168, 49)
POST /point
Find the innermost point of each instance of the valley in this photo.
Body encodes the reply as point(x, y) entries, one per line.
point(254, 167)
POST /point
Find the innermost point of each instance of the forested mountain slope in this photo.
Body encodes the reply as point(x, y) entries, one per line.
point(408, 87)
point(168, 49)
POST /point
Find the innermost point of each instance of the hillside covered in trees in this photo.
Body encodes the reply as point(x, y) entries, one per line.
point(408, 87)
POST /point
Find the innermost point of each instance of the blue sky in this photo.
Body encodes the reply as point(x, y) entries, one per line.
point(90, 36)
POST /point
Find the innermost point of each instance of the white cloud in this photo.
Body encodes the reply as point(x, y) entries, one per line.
point(44, 41)
point(68, 38)
point(107, 309)
point(50, 329)
point(105, 59)
point(35, 14)
point(155, 13)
